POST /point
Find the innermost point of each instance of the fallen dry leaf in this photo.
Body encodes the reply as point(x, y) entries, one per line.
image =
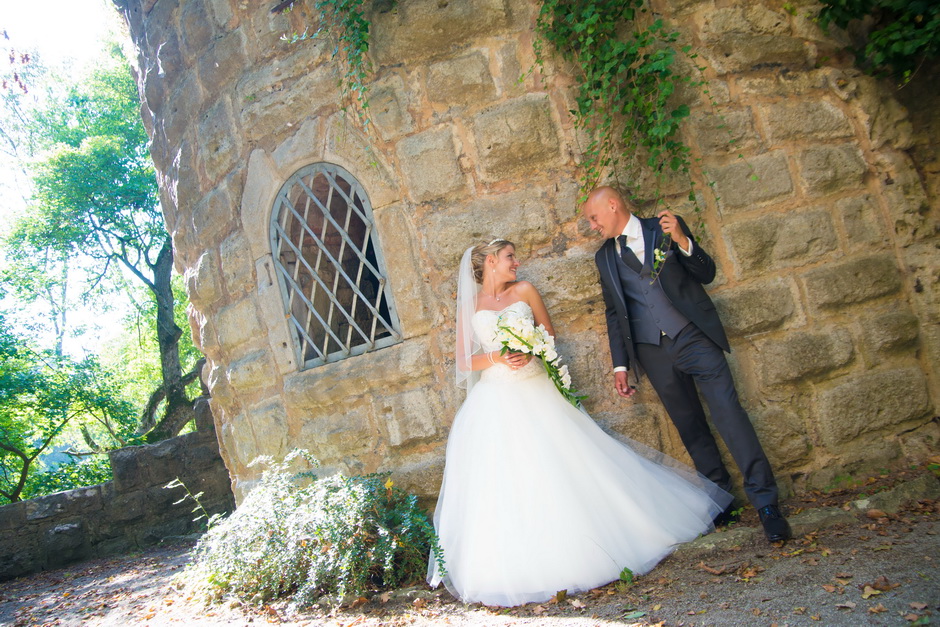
point(876, 513)
point(384, 597)
point(918, 606)
point(560, 596)
point(877, 609)
point(869, 592)
point(756, 611)
point(419, 603)
point(538, 609)
point(712, 571)
point(830, 588)
point(882, 583)
point(911, 617)
point(848, 605)
point(577, 603)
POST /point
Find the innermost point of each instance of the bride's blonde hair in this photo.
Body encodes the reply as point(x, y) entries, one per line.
point(482, 251)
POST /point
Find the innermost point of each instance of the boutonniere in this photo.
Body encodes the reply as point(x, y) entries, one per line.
point(659, 256)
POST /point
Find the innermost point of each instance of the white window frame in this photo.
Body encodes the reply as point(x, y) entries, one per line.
point(327, 272)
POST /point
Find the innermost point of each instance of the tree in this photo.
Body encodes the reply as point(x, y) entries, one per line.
point(41, 393)
point(96, 200)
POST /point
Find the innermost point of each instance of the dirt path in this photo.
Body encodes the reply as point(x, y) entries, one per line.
point(846, 568)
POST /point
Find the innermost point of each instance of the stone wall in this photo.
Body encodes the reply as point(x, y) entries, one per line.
point(828, 281)
point(131, 512)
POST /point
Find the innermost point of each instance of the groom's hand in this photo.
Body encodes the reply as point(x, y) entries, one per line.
point(622, 385)
point(670, 225)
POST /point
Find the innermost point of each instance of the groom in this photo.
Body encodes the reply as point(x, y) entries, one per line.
point(670, 329)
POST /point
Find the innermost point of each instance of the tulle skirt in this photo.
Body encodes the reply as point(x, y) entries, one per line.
point(537, 498)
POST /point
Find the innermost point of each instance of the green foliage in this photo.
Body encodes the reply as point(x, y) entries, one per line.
point(343, 23)
point(41, 393)
point(333, 536)
point(76, 474)
point(625, 63)
point(904, 33)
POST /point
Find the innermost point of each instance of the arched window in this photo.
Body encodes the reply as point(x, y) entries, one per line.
point(330, 267)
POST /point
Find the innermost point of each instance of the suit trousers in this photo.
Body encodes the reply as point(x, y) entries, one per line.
point(675, 369)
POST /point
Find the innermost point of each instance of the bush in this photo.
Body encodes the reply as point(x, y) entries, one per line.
point(334, 536)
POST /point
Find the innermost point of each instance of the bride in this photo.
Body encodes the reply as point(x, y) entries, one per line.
point(536, 497)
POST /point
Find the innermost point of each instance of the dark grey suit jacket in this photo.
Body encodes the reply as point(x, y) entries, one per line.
point(682, 279)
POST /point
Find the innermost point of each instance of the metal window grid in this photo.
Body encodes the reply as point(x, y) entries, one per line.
point(330, 267)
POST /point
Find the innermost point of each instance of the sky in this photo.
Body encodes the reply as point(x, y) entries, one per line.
point(68, 33)
point(59, 29)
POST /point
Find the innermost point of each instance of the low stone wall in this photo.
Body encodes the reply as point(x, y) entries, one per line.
point(130, 512)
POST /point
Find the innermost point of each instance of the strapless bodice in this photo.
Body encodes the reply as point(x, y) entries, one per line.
point(484, 327)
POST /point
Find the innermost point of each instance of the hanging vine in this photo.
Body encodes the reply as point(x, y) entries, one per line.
point(344, 25)
point(626, 65)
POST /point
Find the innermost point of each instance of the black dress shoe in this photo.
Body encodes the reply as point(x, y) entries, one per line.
point(776, 527)
point(727, 516)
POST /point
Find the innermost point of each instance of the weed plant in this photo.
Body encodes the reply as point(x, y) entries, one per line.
point(304, 537)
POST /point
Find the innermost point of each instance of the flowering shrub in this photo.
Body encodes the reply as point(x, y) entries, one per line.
point(335, 536)
point(518, 334)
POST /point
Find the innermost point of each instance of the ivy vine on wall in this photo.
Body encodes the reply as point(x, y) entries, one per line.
point(625, 61)
point(904, 33)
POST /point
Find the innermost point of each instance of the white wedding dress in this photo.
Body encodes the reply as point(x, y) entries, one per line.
point(537, 498)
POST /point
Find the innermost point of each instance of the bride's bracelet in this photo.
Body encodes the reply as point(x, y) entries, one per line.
point(490, 357)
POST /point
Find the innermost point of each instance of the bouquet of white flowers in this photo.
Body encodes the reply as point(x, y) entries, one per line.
point(518, 334)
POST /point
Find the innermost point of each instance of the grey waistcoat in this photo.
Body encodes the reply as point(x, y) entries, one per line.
point(649, 307)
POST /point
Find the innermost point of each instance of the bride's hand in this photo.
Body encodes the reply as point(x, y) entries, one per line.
point(516, 360)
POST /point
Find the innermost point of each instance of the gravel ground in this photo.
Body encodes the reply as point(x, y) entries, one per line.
point(846, 567)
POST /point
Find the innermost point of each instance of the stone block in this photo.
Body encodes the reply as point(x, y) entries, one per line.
point(238, 323)
point(429, 164)
point(807, 119)
point(461, 81)
point(852, 281)
point(923, 488)
point(567, 283)
point(250, 373)
point(886, 399)
point(773, 242)
point(130, 473)
point(269, 425)
point(12, 516)
point(127, 508)
point(343, 436)
point(183, 106)
point(905, 198)
point(801, 355)
point(238, 269)
point(828, 169)
point(239, 440)
point(738, 190)
point(722, 22)
point(747, 52)
point(889, 329)
point(521, 217)
point(782, 434)
point(755, 307)
point(222, 63)
point(329, 387)
point(273, 319)
point(516, 137)
point(195, 29)
point(66, 543)
point(783, 85)
point(398, 235)
point(729, 131)
point(409, 416)
point(262, 182)
point(389, 102)
point(218, 151)
point(300, 149)
point(421, 474)
point(214, 216)
point(422, 29)
point(861, 220)
point(271, 104)
point(349, 147)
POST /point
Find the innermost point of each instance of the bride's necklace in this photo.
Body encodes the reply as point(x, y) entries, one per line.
point(496, 295)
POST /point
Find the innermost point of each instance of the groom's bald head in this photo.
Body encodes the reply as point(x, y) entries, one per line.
point(606, 211)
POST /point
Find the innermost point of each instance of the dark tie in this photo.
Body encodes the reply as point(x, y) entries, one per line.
point(628, 256)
